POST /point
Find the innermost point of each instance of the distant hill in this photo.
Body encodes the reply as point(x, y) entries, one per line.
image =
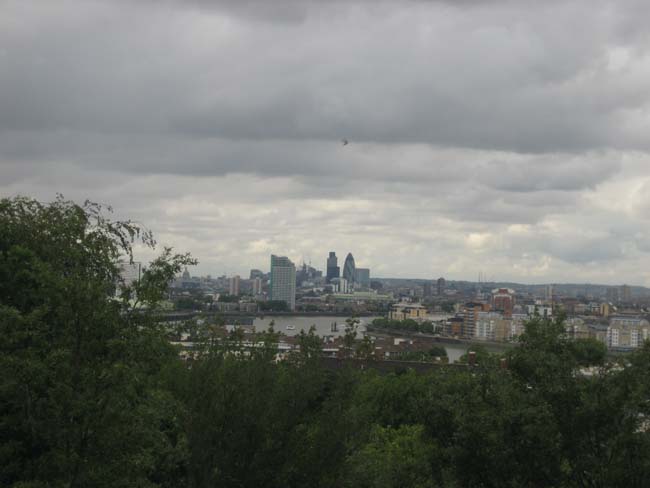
point(568, 289)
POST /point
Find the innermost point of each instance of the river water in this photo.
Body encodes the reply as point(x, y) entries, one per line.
point(322, 323)
point(324, 328)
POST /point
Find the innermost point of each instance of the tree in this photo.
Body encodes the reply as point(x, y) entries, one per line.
point(392, 457)
point(350, 336)
point(588, 352)
point(482, 356)
point(80, 396)
point(365, 349)
point(225, 298)
point(309, 347)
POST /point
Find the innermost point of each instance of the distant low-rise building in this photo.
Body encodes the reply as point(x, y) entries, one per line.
point(248, 307)
point(403, 311)
point(576, 328)
point(486, 325)
point(455, 327)
point(340, 285)
point(627, 332)
point(517, 324)
point(604, 309)
point(544, 310)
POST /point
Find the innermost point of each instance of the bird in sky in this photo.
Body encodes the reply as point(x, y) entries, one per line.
point(345, 142)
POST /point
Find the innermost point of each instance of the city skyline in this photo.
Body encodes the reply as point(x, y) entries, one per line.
point(512, 139)
point(438, 283)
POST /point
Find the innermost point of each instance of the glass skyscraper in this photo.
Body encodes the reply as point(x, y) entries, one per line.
point(332, 267)
point(349, 271)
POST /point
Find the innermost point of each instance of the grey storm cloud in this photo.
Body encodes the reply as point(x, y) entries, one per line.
point(505, 80)
point(482, 132)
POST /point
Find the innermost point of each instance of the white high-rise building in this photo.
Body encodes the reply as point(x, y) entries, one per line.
point(233, 285)
point(283, 280)
point(257, 286)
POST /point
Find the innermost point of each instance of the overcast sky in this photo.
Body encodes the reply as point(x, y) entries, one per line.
point(510, 137)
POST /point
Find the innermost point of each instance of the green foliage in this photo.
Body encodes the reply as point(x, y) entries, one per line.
point(187, 303)
point(309, 347)
point(588, 352)
point(406, 325)
point(80, 395)
point(392, 457)
point(432, 354)
point(93, 395)
point(482, 357)
point(224, 297)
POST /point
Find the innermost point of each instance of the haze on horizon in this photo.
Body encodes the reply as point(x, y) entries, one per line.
point(498, 136)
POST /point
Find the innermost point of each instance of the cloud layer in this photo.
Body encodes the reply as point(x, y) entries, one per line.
point(496, 136)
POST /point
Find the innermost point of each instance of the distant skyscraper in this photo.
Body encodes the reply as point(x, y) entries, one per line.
point(333, 270)
point(349, 270)
point(256, 273)
point(283, 280)
point(306, 273)
point(233, 285)
point(257, 286)
point(440, 285)
point(362, 277)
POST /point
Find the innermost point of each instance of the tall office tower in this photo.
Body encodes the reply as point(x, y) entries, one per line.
point(503, 300)
point(349, 270)
point(233, 285)
point(362, 277)
point(441, 284)
point(283, 280)
point(332, 267)
point(257, 286)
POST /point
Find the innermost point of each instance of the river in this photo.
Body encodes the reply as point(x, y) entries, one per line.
point(323, 324)
point(324, 328)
